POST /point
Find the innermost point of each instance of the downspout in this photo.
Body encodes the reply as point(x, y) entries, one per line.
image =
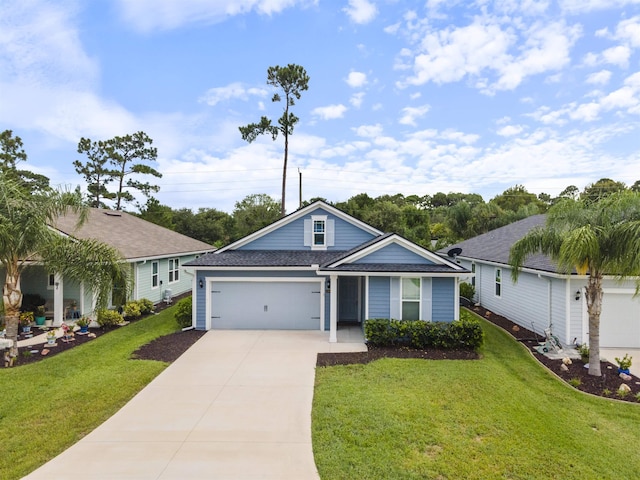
point(194, 296)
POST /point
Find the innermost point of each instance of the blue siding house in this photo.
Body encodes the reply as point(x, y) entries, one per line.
point(317, 268)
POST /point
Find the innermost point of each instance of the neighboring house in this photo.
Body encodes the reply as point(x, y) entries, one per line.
point(319, 266)
point(156, 255)
point(543, 297)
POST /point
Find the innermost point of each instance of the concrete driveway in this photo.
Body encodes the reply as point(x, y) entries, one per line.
point(236, 405)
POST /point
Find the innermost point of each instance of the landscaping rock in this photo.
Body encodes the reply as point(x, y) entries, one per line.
point(564, 367)
point(624, 388)
point(625, 377)
point(566, 361)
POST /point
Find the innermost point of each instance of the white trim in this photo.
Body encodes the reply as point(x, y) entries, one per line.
point(366, 297)
point(394, 274)
point(567, 311)
point(210, 281)
point(402, 299)
point(314, 219)
point(250, 269)
point(156, 262)
point(168, 255)
point(456, 300)
point(403, 242)
point(175, 270)
point(333, 314)
point(295, 216)
point(495, 281)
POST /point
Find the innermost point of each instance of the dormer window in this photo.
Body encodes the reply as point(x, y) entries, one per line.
point(319, 233)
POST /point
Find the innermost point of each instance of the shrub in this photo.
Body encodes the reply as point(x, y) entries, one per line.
point(583, 350)
point(575, 382)
point(467, 290)
point(463, 334)
point(146, 306)
point(131, 310)
point(183, 312)
point(109, 318)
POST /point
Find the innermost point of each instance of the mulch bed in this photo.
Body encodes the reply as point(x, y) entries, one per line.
point(376, 353)
point(165, 349)
point(605, 386)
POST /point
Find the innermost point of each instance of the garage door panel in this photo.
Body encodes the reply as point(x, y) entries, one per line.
point(620, 321)
point(265, 305)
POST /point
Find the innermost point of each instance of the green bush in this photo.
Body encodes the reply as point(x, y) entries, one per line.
point(146, 306)
point(463, 334)
point(131, 310)
point(183, 312)
point(109, 318)
point(467, 290)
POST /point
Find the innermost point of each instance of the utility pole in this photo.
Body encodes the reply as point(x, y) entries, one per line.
point(300, 188)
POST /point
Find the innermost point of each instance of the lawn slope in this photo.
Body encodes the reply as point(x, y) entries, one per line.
point(47, 406)
point(503, 416)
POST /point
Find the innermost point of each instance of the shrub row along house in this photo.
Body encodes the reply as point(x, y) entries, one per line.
point(155, 255)
point(545, 298)
point(317, 267)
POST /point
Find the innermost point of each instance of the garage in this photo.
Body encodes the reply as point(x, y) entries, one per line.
point(620, 320)
point(267, 304)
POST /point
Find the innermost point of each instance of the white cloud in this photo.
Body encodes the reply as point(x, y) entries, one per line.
point(357, 99)
point(330, 112)
point(510, 130)
point(410, 114)
point(215, 95)
point(361, 11)
point(368, 131)
point(356, 79)
point(149, 15)
point(629, 31)
point(617, 55)
point(599, 78)
point(486, 46)
point(585, 6)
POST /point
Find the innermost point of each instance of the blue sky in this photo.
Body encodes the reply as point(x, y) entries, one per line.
point(404, 96)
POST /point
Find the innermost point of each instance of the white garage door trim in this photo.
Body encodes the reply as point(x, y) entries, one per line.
point(210, 281)
point(605, 323)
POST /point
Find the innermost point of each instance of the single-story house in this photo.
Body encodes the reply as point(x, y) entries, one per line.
point(155, 254)
point(543, 297)
point(317, 267)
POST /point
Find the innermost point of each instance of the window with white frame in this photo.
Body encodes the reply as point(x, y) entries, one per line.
point(473, 278)
point(411, 299)
point(155, 274)
point(319, 232)
point(498, 282)
point(174, 270)
point(51, 281)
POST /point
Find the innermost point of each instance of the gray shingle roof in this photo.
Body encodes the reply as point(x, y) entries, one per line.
point(133, 237)
point(265, 258)
point(392, 267)
point(494, 246)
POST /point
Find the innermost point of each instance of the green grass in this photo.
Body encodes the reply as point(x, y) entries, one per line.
point(47, 406)
point(503, 416)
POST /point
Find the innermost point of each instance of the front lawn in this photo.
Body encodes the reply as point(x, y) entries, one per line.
point(47, 406)
point(503, 416)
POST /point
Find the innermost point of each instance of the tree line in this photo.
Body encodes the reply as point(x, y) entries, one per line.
point(433, 221)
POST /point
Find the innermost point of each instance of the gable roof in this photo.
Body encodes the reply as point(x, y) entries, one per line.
point(378, 243)
point(296, 215)
point(494, 246)
point(133, 237)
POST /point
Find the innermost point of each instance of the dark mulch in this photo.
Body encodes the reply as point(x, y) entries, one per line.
point(375, 353)
point(165, 349)
point(605, 386)
point(168, 347)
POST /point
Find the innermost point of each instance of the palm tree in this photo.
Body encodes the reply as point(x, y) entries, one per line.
point(598, 239)
point(27, 239)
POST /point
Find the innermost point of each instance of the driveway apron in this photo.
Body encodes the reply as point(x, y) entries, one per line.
point(236, 405)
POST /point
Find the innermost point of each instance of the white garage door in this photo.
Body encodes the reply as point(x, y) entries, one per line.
point(277, 305)
point(620, 321)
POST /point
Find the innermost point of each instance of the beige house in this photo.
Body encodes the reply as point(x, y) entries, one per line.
point(156, 255)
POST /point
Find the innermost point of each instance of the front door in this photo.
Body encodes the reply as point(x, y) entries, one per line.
point(348, 299)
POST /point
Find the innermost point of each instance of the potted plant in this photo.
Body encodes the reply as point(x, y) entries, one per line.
point(40, 315)
point(68, 332)
point(26, 319)
point(51, 337)
point(83, 323)
point(624, 363)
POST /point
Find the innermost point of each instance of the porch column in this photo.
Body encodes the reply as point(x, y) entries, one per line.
point(58, 301)
point(333, 309)
point(456, 300)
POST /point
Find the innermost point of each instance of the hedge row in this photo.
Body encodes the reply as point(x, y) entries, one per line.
point(465, 334)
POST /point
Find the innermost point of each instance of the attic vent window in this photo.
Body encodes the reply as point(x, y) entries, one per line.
point(113, 213)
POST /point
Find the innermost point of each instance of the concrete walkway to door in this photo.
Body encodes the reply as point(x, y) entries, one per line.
point(236, 405)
